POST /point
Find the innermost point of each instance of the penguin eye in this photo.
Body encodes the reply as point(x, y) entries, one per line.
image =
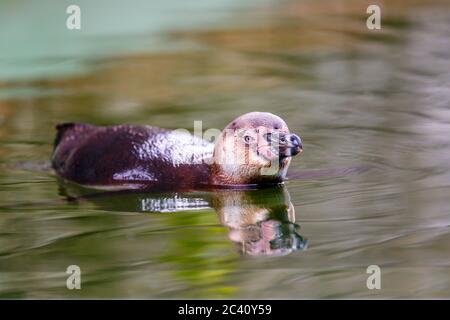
point(248, 139)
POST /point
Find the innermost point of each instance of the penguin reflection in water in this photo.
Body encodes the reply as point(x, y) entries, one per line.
point(260, 222)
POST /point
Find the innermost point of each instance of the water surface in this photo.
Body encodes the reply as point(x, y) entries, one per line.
point(378, 100)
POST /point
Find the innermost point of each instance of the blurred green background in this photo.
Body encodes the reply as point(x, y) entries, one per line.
point(357, 97)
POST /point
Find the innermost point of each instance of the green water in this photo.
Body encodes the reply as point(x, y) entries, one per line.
point(377, 100)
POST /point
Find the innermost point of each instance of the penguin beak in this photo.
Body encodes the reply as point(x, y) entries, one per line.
point(290, 145)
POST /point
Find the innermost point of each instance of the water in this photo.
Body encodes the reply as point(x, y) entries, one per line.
point(372, 187)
